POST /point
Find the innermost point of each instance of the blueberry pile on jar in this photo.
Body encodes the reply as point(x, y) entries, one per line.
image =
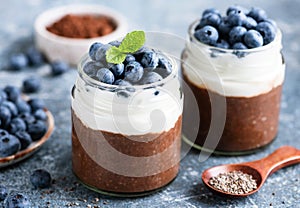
point(145, 66)
point(239, 29)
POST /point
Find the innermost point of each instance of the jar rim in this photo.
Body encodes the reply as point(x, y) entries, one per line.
point(98, 84)
point(194, 24)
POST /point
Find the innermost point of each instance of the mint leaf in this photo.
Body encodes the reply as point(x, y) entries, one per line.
point(132, 42)
point(115, 55)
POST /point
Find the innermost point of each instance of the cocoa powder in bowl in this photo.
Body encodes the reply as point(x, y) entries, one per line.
point(82, 26)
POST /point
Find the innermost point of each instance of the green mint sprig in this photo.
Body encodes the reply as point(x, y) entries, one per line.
point(132, 42)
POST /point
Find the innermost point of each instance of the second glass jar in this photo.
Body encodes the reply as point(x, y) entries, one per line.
point(250, 83)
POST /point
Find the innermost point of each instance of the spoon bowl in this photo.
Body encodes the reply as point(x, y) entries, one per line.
point(213, 172)
point(258, 169)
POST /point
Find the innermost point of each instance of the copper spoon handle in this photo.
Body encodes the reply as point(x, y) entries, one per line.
point(282, 157)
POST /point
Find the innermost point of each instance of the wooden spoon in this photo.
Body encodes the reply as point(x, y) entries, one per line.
point(259, 169)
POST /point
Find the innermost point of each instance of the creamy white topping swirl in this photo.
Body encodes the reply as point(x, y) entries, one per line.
point(151, 110)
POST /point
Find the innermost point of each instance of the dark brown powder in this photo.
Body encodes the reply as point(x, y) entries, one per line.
point(82, 26)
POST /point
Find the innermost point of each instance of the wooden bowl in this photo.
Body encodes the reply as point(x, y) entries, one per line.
point(32, 148)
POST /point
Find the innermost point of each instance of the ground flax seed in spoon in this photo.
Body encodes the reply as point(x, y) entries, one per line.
point(235, 182)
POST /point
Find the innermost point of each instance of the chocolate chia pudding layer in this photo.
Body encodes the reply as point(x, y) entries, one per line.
point(89, 144)
point(251, 122)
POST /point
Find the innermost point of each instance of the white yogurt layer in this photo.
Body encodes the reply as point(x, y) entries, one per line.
point(144, 111)
point(258, 72)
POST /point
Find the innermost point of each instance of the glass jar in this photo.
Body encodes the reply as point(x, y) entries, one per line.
point(242, 88)
point(126, 140)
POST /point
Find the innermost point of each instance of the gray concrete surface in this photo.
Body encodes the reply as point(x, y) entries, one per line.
point(282, 189)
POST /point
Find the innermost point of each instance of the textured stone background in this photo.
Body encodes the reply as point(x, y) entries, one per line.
point(282, 189)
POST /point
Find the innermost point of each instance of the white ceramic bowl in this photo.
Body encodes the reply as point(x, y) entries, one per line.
point(72, 49)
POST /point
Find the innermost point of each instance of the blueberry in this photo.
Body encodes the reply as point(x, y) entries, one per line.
point(139, 54)
point(211, 10)
point(27, 117)
point(24, 138)
point(36, 130)
point(200, 25)
point(134, 72)
point(23, 106)
point(115, 43)
point(3, 96)
point(258, 14)
point(253, 39)
point(267, 31)
point(250, 23)
point(16, 124)
point(207, 35)
point(149, 60)
point(100, 54)
point(2, 99)
point(13, 93)
point(164, 67)
point(59, 67)
point(12, 107)
point(150, 77)
point(224, 27)
point(272, 22)
point(36, 103)
point(222, 44)
point(35, 57)
point(9, 145)
point(40, 178)
point(236, 19)
point(18, 61)
point(105, 75)
point(17, 200)
point(93, 50)
point(117, 70)
point(5, 116)
point(3, 133)
point(40, 115)
point(129, 58)
point(31, 85)
point(142, 50)
point(236, 9)
point(91, 68)
point(122, 82)
point(239, 46)
point(236, 34)
point(3, 193)
point(211, 19)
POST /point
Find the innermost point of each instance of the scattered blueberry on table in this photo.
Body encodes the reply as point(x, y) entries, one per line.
point(40, 179)
point(18, 61)
point(31, 84)
point(239, 29)
point(35, 57)
point(59, 67)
